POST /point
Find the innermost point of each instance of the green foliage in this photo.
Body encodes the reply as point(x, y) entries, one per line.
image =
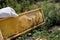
point(51, 13)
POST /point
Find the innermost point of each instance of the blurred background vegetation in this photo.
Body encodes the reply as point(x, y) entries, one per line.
point(51, 11)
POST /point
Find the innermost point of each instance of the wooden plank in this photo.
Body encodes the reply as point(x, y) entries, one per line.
point(1, 37)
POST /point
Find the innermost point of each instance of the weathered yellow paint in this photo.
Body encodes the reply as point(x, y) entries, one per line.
point(12, 26)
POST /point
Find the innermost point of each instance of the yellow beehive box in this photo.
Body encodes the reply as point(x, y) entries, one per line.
point(12, 27)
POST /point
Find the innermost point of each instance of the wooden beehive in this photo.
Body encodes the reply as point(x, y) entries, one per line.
point(12, 27)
